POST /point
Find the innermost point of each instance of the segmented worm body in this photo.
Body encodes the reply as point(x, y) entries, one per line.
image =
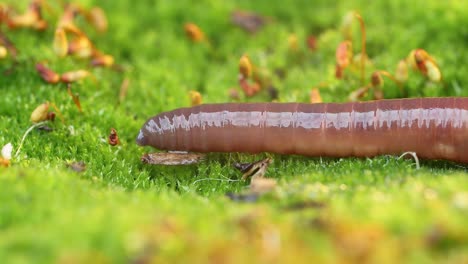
point(434, 128)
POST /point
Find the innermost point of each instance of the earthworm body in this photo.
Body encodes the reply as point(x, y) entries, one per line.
point(434, 128)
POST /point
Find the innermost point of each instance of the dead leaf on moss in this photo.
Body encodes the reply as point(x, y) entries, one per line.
point(248, 21)
point(172, 158)
point(73, 76)
point(47, 74)
point(253, 169)
point(78, 166)
point(45, 128)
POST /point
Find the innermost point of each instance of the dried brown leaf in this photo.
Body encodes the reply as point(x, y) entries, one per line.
point(172, 158)
point(78, 166)
point(73, 76)
point(253, 169)
point(47, 74)
point(248, 21)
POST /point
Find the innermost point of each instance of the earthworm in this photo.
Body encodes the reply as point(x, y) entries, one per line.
point(434, 128)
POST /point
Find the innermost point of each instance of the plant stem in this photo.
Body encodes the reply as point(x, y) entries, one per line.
point(391, 77)
point(363, 47)
point(24, 136)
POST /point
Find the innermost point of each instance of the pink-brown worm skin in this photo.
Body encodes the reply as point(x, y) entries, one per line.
point(434, 128)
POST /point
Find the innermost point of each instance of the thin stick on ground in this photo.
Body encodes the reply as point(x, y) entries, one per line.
point(412, 154)
point(215, 179)
point(25, 134)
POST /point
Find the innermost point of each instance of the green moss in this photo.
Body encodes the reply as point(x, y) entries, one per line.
point(119, 210)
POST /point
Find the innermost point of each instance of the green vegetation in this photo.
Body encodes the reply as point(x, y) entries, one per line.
point(119, 210)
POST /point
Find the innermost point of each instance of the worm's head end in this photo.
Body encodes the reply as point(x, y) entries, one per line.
point(141, 139)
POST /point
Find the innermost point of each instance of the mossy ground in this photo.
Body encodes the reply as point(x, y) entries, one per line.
point(118, 210)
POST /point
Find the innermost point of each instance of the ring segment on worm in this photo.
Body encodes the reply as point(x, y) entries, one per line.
point(434, 128)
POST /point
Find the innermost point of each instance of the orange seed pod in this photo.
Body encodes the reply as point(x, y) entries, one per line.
point(411, 61)
point(344, 54)
point(195, 98)
point(433, 72)
point(66, 20)
point(74, 76)
point(245, 67)
point(315, 96)
point(98, 19)
point(193, 32)
point(338, 72)
point(401, 73)
point(420, 57)
point(3, 52)
point(60, 43)
point(32, 18)
point(102, 60)
point(346, 25)
point(40, 113)
point(47, 74)
point(4, 162)
point(377, 80)
point(424, 63)
point(28, 19)
point(81, 47)
point(293, 42)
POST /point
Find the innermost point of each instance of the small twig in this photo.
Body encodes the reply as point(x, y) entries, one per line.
point(412, 154)
point(123, 90)
point(391, 77)
point(75, 98)
point(25, 134)
point(215, 179)
point(363, 46)
point(58, 112)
